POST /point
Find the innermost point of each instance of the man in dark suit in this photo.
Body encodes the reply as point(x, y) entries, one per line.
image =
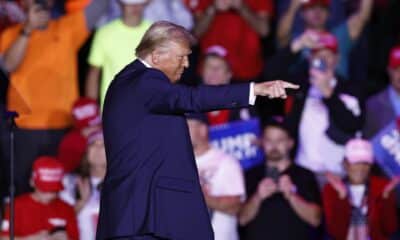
point(386, 102)
point(151, 189)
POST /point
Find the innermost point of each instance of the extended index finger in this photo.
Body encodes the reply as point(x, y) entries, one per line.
point(290, 85)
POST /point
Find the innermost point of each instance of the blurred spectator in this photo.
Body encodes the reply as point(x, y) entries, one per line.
point(40, 56)
point(87, 122)
point(360, 206)
point(315, 14)
point(89, 186)
point(221, 178)
point(82, 189)
point(216, 70)
point(41, 214)
point(283, 198)
point(337, 14)
point(10, 13)
point(114, 47)
point(237, 25)
point(173, 11)
point(73, 146)
point(325, 112)
point(387, 102)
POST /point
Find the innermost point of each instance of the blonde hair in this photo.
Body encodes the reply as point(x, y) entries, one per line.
point(159, 33)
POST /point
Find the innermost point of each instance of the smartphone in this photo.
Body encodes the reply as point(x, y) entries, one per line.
point(319, 64)
point(272, 173)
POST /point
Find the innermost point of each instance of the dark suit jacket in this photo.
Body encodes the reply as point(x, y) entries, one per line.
point(379, 113)
point(152, 186)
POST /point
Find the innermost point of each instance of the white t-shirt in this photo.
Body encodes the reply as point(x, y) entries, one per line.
point(317, 152)
point(224, 177)
point(357, 194)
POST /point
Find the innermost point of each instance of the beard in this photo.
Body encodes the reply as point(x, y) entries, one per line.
point(274, 155)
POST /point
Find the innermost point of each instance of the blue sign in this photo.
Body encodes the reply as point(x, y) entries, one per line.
point(239, 139)
point(386, 146)
point(387, 149)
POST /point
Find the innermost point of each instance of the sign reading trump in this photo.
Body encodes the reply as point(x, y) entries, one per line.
point(239, 139)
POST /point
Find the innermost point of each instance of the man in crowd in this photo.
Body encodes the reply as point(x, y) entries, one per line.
point(221, 179)
point(237, 25)
point(41, 57)
point(360, 206)
point(326, 112)
point(41, 214)
point(113, 47)
point(217, 70)
point(386, 102)
point(283, 198)
point(315, 14)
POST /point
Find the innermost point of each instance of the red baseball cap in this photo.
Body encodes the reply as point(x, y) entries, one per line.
point(86, 112)
point(48, 174)
point(394, 58)
point(327, 41)
point(312, 3)
point(71, 150)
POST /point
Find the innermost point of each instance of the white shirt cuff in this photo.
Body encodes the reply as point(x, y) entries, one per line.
point(252, 96)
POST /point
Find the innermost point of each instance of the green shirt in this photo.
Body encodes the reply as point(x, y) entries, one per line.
point(113, 48)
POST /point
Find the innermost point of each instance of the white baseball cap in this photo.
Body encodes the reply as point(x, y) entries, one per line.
point(133, 1)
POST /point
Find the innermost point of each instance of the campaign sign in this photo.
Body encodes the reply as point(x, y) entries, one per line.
point(387, 149)
point(239, 139)
point(387, 152)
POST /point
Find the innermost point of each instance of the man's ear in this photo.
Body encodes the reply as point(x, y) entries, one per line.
point(155, 57)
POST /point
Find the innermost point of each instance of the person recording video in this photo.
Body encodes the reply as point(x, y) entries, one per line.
point(326, 112)
point(40, 56)
point(283, 198)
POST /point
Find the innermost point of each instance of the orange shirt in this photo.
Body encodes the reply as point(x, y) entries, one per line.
point(45, 86)
point(75, 5)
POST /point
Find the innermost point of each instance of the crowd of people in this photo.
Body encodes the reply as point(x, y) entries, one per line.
point(319, 178)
